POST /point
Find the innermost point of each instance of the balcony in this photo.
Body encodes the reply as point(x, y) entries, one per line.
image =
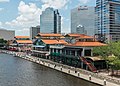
point(57, 46)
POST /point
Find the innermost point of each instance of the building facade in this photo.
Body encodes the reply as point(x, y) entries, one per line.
point(69, 52)
point(7, 34)
point(108, 20)
point(50, 21)
point(34, 31)
point(84, 16)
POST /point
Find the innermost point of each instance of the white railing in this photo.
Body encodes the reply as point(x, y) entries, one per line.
point(56, 46)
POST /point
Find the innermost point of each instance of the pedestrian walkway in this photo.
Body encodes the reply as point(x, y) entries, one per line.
point(98, 78)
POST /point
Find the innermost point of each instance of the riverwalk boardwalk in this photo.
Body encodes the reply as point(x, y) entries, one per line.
point(97, 78)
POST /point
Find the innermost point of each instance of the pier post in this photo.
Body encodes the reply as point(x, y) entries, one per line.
point(68, 70)
point(89, 77)
point(78, 74)
point(48, 65)
point(104, 82)
point(61, 68)
point(54, 66)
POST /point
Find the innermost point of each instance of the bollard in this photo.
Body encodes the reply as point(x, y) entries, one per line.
point(89, 77)
point(78, 74)
point(48, 65)
point(43, 63)
point(61, 68)
point(75, 71)
point(104, 82)
point(54, 66)
point(69, 71)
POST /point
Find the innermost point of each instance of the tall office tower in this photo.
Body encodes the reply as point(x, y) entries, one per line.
point(84, 16)
point(34, 31)
point(50, 21)
point(108, 20)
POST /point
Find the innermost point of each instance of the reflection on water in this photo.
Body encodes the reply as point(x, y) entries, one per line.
point(19, 72)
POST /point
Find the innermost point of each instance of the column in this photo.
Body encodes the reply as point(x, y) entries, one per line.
point(65, 52)
point(60, 51)
point(86, 67)
point(53, 50)
point(75, 53)
point(70, 52)
point(83, 52)
point(81, 64)
point(50, 50)
point(91, 52)
point(56, 51)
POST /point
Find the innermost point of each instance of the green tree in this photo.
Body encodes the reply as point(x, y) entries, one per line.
point(111, 53)
point(2, 42)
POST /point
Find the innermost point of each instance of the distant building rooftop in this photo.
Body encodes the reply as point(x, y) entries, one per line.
point(24, 41)
point(21, 37)
point(53, 41)
point(49, 35)
point(87, 44)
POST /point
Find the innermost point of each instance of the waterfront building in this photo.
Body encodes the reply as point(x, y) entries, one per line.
point(70, 52)
point(84, 16)
point(21, 43)
point(44, 40)
point(34, 31)
point(7, 34)
point(50, 21)
point(71, 40)
point(108, 20)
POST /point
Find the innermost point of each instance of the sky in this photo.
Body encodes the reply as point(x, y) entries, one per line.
point(20, 15)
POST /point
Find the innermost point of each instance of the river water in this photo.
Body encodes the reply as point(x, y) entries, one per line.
point(15, 71)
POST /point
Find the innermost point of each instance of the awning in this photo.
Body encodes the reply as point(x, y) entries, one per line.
point(38, 46)
point(94, 58)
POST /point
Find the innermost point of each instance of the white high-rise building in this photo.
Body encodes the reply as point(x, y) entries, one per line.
point(84, 16)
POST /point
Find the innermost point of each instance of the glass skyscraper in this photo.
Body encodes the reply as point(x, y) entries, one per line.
point(107, 20)
point(50, 21)
point(84, 16)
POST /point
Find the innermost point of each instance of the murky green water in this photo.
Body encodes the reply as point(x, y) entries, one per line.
point(15, 71)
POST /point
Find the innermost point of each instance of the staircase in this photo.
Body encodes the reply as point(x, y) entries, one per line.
point(89, 64)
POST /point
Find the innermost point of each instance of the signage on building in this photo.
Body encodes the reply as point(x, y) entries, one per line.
point(82, 8)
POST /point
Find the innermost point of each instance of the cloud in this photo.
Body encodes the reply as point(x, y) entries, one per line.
point(4, 0)
point(1, 9)
point(57, 4)
point(29, 15)
point(0, 24)
point(84, 1)
point(23, 31)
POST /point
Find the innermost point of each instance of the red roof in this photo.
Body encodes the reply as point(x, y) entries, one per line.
point(49, 35)
point(22, 37)
point(24, 41)
point(87, 44)
point(54, 41)
point(75, 35)
point(87, 37)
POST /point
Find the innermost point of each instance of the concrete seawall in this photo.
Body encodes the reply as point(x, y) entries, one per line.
point(77, 72)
